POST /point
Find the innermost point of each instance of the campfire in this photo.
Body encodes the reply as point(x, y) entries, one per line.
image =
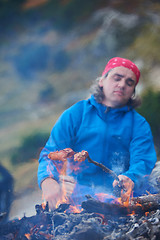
point(99, 217)
point(97, 221)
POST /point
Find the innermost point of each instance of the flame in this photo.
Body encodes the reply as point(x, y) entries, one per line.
point(47, 236)
point(75, 166)
point(132, 213)
point(126, 203)
point(64, 198)
point(67, 161)
point(75, 208)
point(103, 196)
point(66, 181)
point(125, 197)
point(43, 205)
point(104, 220)
point(28, 236)
point(63, 168)
point(66, 164)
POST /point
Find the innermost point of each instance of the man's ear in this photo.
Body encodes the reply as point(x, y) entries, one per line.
point(100, 83)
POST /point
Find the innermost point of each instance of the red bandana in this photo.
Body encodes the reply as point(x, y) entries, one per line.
point(117, 62)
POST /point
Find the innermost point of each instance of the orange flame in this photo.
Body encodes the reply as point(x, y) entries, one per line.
point(132, 213)
point(60, 160)
point(43, 205)
point(28, 236)
point(103, 196)
point(75, 209)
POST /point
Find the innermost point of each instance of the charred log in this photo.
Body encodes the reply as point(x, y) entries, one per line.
point(138, 205)
point(24, 225)
point(146, 199)
point(38, 227)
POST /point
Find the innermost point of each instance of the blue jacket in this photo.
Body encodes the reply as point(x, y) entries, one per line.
point(120, 139)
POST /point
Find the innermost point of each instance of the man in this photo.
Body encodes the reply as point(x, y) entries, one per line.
point(109, 129)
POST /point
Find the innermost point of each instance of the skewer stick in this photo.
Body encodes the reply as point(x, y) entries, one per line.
point(119, 186)
point(104, 168)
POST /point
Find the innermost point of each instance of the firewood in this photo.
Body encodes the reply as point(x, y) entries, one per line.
point(146, 199)
point(14, 226)
point(104, 221)
point(137, 205)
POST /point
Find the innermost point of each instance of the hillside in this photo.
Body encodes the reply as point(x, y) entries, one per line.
point(41, 66)
point(47, 64)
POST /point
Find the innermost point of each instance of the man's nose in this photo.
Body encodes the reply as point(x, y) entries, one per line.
point(121, 83)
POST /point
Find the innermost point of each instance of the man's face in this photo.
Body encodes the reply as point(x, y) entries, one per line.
point(118, 87)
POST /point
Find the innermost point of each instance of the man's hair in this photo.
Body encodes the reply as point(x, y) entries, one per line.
point(97, 92)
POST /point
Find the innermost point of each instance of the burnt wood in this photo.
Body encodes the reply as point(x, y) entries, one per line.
point(137, 205)
point(97, 221)
point(146, 199)
point(26, 223)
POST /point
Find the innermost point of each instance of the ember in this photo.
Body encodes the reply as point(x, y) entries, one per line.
point(97, 221)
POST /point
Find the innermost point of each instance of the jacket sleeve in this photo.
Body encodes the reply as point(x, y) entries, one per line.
point(142, 151)
point(62, 136)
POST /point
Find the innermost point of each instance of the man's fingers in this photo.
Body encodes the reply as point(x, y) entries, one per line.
point(115, 183)
point(67, 184)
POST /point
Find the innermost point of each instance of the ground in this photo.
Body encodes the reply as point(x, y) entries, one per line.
point(25, 204)
point(26, 191)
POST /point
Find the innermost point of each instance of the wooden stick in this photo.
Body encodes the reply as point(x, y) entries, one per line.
point(104, 168)
point(119, 186)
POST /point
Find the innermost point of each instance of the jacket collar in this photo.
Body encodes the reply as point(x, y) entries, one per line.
point(103, 110)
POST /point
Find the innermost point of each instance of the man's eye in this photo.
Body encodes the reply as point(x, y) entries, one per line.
point(117, 78)
point(130, 83)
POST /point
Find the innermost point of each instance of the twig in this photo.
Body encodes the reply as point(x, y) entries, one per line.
point(104, 168)
point(119, 186)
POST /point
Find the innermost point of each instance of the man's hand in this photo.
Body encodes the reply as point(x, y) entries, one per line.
point(67, 185)
point(51, 192)
point(54, 192)
point(128, 186)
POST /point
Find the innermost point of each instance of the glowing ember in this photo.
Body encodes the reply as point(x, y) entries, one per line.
point(28, 236)
point(43, 205)
point(75, 209)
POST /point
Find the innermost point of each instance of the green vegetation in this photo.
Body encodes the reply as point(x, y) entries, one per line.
point(12, 140)
point(150, 110)
point(63, 14)
point(146, 45)
point(66, 14)
point(29, 148)
point(48, 93)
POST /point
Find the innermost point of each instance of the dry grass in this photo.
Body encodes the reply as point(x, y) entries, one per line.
point(25, 175)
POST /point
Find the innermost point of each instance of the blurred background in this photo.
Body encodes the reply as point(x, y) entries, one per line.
point(51, 51)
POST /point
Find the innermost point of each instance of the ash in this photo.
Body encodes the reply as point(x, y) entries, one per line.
point(92, 226)
point(60, 225)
